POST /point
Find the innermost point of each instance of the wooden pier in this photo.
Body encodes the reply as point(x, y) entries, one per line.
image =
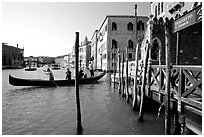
point(185, 94)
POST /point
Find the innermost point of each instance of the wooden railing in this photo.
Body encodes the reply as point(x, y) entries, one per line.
point(185, 83)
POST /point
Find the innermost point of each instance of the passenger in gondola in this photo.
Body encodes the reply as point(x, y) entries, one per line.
point(85, 75)
point(81, 74)
point(68, 74)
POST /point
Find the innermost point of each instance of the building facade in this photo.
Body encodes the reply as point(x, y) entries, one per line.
point(84, 53)
point(94, 41)
point(118, 33)
point(12, 57)
point(185, 32)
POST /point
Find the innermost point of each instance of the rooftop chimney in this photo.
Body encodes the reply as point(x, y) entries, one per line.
point(17, 45)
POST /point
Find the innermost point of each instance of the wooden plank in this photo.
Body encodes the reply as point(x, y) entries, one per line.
point(193, 126)
point(191, 102)
point(188, 75)
point(192, 89)
point(197, 68)
point(158, 66)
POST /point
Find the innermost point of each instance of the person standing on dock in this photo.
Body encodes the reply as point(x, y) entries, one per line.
point(91, 68)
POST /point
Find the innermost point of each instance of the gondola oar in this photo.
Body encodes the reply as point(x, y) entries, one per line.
point(51, 79)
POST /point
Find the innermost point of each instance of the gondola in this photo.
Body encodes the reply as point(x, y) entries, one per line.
point(30, 69)
point(40, 82)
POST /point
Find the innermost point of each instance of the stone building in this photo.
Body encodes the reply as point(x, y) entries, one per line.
point(12, 57)
point(185, 20)
point(84, 53)
point(117, 33)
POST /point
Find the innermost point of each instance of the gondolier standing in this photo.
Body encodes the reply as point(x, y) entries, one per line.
point(51, 76)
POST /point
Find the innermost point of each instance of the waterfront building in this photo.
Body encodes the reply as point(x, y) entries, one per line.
point(72, 57)
point(59, 60)
point(186, 35)
point(31, 61)
point(84, 53)
point(45, 60)
point(117, 33)
point(178, 26)
point(94, 40)
point(69, 60)
point(62, 60)
point(12, 57)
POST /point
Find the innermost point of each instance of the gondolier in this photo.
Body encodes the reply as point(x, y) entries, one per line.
point(51, 76)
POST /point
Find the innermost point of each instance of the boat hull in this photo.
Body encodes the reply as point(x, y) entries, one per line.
point(30, 69)
point(39, 82)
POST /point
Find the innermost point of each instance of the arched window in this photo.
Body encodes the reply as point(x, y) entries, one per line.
point(161, 21)
point(140, 25)
point(130, 26)
point(114, 26)
point(162, 7)
point(155, 50)
point(114, 44)
point(155, 11)
point(130, 44)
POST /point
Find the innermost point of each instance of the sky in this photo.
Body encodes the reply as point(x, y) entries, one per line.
point(48, 28)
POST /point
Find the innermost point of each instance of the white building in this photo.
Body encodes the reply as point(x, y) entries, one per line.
point(117, 32)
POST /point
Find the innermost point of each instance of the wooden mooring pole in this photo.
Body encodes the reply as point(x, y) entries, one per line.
point(122, 81)
point(127, 79)
point(143, 83)
point(134, 104)
point(114, 67)
point(119, 72)
point(167, 96)
point(79, 126)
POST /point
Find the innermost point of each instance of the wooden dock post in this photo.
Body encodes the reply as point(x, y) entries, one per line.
point(143, 83)
point(109, 57)
point(119, 72)
point(122, 81)
point(134, 104)
point(127, 79)
point(79, 126)
point(167, 96)
point(114, 67)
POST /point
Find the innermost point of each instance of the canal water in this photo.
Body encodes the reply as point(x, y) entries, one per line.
point(52, 111)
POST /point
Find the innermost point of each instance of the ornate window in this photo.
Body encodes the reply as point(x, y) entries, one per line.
point(113, 55)
point(155, 11)
point(140, 25)
point(130, 44)
point(130, 26)
point(155, 50)
point(114, 44)
point(130, 55)
point(114, 26)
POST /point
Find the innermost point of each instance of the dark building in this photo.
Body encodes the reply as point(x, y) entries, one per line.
point(12, 57)
point(185, 35)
